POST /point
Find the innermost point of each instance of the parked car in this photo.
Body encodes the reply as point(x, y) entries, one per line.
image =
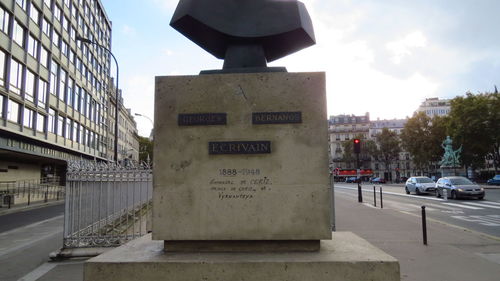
point(351, 180)
point(420, 185)
point(458, 187)
point(494, 181)
point(378, 180)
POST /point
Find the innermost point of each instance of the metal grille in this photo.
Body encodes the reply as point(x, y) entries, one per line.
point(26, 192)
point(106, 204)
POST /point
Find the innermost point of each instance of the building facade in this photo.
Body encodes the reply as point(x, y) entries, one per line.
point(401, 167)
point(53, 88)
point(435, 107)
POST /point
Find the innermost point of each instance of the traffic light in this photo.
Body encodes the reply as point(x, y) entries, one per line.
point(357, 146)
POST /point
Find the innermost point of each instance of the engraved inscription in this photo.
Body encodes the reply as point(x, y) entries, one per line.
point(276, 117)
point(246, 187)
point(239, 147)
point(196, 119)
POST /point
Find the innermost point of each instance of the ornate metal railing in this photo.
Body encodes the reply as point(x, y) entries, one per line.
point(106, 204)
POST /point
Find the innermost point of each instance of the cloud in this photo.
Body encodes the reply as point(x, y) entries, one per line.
point(403, 47)
point(128, 30)
point(168, 6)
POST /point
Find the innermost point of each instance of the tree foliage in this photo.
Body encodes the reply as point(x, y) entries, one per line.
point(388, 144)
point(145, 149)
point(422, 137)
point(475, 124)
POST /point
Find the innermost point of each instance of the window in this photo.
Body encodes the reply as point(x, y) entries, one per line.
point(68, 134)
point(77, 98)
point(42, 93)
point(53, 77)
point(82, 108)
point(18, 34)
point(2, 68)
point(75, 131)
point(60, 126)
point(1, 106)
point(4, 21)
point(13, 111)
point(44, 57)
point(47, 2)
point(16, 74)
point(52, 121)
point(46, 27)
point(34, 14)
point(62, 84)
point(65, 23)
point(32, 46)
point(29, 90)
point(64, 48)
point(22, 4)
point(40, 122)
point(82, 134)
point(69, 92)
point(56, 38)
point(29, 116)
point(57, 13)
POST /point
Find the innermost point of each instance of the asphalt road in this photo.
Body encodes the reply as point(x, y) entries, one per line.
point(478, 215)
point(18, 219)
point(27, 238)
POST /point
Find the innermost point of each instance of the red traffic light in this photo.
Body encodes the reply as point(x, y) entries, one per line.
point(357, 146)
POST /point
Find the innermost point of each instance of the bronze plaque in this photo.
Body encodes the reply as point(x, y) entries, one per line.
point(276, 117)
point(239, 147)
point(197, 119)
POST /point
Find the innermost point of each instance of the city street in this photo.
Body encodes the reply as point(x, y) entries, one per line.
point(27, 238)
point(477, 215)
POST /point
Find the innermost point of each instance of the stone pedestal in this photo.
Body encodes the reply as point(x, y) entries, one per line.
point(241, 188)
point(346, 257)
point(451, 171)
point(241, 157)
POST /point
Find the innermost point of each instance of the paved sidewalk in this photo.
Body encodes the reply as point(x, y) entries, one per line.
point(452, 253)
point(24, 207)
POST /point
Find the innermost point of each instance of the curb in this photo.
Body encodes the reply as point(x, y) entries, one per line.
point(29, 207)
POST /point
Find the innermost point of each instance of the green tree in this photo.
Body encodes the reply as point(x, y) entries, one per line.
point(422, 137)
point(388, 144)
point(475, 124)
point(145, 150)
point(368, 150)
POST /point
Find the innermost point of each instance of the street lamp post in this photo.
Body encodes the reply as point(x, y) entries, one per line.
point(150, 120)
point(88, 41)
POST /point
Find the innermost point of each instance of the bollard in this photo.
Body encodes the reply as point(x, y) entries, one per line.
point(360, 195)
point(424, 225)
point(445, 194)
point(10, 199)
point(374, 196)
point(381, 202)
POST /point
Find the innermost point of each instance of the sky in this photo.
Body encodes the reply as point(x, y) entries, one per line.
point(380, 56)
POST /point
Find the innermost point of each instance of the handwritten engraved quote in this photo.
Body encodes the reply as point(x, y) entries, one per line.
point(239, 184)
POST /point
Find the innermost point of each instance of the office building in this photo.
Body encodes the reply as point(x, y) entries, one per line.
point(54, 89)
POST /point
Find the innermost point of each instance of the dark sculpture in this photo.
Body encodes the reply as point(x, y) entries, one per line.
point(245, 33)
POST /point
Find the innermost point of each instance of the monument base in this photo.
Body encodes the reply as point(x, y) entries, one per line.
point(451, 171)
point(346, 257)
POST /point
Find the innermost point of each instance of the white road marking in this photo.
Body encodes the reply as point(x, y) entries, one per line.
point(491, 202)
point(392, 193)
point(38, 272)
point(482, 205)
point(463, 206)
point(487, 220)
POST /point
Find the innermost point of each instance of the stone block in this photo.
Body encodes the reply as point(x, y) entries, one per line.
point(241, 157)
point(346, 257)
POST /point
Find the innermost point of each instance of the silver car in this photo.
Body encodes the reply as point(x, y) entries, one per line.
point(420, 185)
point(458, 187)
